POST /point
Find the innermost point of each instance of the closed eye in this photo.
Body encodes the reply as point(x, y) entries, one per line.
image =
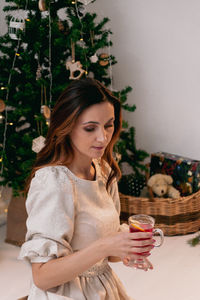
point(109, 125)
point(89, 129)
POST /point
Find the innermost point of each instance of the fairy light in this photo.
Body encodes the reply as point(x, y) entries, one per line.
point(6, 109)
point(110, 63)
point(81, 39)
point(50, 69)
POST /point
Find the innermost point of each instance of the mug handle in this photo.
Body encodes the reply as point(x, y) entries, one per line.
point(161, 234)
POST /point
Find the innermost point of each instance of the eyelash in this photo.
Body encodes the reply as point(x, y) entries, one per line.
point(90, 129)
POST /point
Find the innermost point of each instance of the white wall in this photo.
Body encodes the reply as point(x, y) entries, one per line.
point(157, 45)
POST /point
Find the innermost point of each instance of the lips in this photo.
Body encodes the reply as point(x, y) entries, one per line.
point(98, 148)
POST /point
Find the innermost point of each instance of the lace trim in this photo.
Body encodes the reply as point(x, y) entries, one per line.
point(96, 270)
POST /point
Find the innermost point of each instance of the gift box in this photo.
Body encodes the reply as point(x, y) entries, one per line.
point(184, 171)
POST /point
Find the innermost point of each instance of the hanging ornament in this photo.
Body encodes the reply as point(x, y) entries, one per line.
point(75, 67)
point(104, 59)
point(85, 2)
point(16, 25)
point(2, 105)
point(42, 5)
point(39, 72)
point(94, 58)
point(38, 143)
point(45, 110)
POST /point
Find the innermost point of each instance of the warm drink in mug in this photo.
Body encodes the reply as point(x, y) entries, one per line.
point(143, 223)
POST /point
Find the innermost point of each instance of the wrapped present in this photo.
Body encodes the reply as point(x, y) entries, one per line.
point(184, 171)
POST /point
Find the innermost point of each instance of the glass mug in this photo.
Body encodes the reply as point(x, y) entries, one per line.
point(143, 223)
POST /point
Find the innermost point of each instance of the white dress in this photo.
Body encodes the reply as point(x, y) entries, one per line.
point(66, 214)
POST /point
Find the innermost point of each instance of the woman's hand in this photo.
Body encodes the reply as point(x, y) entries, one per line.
point(127, 244)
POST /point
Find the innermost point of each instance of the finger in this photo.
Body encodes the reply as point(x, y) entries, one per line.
point(141, 243)
point(141, 250)
point(126, 261)
point(140, 235)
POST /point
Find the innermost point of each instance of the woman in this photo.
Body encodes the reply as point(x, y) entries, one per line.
point(73, 203)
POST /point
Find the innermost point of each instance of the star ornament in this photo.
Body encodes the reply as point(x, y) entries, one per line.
point(85, 2)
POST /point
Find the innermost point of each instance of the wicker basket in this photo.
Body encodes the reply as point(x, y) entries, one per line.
point(173, 216)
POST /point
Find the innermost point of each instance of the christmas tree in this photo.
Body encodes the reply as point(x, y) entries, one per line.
point(49, 43)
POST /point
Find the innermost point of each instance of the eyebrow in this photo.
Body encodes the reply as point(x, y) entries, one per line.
point(93, 122)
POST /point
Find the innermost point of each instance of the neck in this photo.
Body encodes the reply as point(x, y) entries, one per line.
point(84, 170)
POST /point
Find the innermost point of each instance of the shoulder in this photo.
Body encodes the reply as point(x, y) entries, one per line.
point(50, 184)
point(51, 176)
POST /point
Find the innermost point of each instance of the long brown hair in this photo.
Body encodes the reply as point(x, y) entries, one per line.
point(77, 97)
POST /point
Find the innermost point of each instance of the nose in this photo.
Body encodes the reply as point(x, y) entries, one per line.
point(101, 136)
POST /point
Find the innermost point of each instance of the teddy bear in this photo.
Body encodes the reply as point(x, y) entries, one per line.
point(161, 185)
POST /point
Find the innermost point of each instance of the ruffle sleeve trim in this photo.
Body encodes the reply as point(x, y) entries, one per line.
point(43, 250)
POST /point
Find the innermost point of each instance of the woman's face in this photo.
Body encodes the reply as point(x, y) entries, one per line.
point(93, 130)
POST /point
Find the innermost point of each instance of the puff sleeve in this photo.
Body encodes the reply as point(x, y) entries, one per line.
point(51, 213)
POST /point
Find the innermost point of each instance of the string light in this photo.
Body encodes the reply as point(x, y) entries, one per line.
point(81, 39)
point(50, 72)
point(6, 110)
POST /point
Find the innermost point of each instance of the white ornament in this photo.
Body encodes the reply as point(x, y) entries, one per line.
point(74, 67)
point(38, 144)
point(16, 25)
point(85, 2)
point(94, 58)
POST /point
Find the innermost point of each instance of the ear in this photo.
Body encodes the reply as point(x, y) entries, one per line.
point(152, 180)
point(168, 179)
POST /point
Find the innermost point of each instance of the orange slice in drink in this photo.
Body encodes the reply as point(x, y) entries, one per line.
point(137, 226)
